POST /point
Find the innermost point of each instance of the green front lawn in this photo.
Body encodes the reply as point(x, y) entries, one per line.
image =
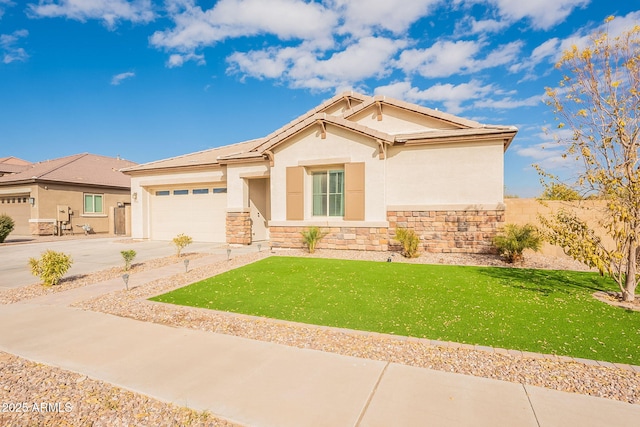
point(535, 310)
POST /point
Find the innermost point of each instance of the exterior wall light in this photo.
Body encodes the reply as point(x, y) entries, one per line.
point(32, 201)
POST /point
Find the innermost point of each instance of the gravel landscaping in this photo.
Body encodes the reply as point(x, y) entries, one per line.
point(98, 403)
point(32, 394)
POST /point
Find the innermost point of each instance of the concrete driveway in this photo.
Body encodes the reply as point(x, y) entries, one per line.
point(88, 254)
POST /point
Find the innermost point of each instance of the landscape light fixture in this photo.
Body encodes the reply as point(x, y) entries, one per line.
point(186, 265)
point(125, 277)
point(228, 254)
point(259, 246)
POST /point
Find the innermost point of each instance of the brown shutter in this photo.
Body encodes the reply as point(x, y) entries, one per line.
point(295, 193)
point(354, 191)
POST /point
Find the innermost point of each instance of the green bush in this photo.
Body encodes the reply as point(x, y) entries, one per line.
point(311, 237)
point(50, 267)
point(6, 226)
point(181, 241)
point(409, 241)
point(128, 257)
point(514, 239)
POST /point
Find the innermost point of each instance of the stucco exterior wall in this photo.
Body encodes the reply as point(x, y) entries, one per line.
point(310, 150)
point(48, 197)
point(396, 120)
point(237, 186)
point(460, 176)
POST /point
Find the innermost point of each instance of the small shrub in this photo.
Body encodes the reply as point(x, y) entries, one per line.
point(311, 237)
point(409, 241)
point(515, 239)
point(6, 226)
point(181, 241)
point(50, 267)
point(128, 257)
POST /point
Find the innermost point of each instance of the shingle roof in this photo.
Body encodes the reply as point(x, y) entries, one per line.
point(89, 169)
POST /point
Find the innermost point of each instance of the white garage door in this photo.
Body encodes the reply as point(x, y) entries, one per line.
point(198, 212)
point(19, 209)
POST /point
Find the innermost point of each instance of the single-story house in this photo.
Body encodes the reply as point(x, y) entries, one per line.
point(356, 166)
point(9, 165)
point(62, 195)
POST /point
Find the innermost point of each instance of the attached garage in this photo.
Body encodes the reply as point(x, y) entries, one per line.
point(18, 208)
point(198, 212)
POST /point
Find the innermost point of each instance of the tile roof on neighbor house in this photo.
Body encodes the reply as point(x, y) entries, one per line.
point(12, 165)
point(329, 112)
point(89, 169)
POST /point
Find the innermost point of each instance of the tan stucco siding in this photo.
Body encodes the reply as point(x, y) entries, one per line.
point(460, 174)
point(308, 149)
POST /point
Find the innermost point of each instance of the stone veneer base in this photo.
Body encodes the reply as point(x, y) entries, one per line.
point(239, 228)
point(439, 232)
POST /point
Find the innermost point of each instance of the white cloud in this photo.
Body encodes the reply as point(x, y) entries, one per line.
point(446, 58)
point(10, 52)
point(551, 50)
point(110, 11)
point(177, 60)
point(363, 17)
point(451, 96)
point(484, 26)
point(508, 103)
point(119, 78)
point(304, 67)
point(543, 14)
point(286, 19)
point(4, 4)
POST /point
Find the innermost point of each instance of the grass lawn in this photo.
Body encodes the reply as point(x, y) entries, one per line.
point(536, 310)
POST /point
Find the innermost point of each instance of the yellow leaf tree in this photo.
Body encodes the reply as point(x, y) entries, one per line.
point(599, 101)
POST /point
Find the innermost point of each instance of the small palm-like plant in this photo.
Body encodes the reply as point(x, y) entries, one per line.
point(50, 267)
point(311, 237)
point(514, 239)
point(409, 241)
point(128, 257)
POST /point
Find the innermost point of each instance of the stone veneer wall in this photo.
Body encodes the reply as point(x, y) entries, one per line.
point(450, 231)
point(354, 238)
point(439, 232)
point(42, 227)
point(239, 228)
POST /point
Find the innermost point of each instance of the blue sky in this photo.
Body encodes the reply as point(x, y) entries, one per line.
point(148, 80)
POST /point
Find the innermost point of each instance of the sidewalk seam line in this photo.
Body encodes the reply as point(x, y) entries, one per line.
point(370, 398)
point(526, 392)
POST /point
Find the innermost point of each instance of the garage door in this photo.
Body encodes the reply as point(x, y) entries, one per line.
point(19, 209)
point(199, 212)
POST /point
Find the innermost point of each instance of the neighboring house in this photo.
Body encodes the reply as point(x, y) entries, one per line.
point(9, 165)
point(62, 195)
point(356, 166)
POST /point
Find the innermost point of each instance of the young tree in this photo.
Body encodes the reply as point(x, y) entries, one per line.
point(599, 101)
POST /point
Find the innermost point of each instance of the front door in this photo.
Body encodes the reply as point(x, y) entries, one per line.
point(259, 208)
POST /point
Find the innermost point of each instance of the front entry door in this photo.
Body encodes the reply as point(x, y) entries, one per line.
point(259, 208)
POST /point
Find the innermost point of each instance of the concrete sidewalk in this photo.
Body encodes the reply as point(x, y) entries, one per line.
point(264, 384)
